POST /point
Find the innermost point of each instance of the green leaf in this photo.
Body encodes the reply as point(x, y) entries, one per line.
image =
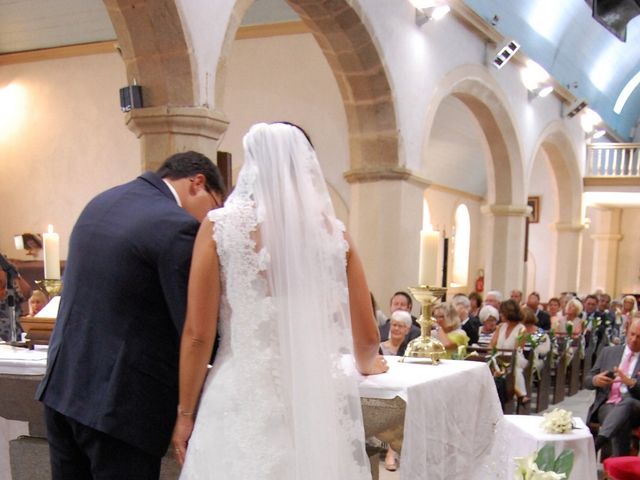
point(546, 457)
point(564, 462)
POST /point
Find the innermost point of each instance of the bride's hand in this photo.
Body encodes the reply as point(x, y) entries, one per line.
point(181, 434)
point(379, 366)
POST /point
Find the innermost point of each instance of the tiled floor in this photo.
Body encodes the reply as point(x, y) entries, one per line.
point(578, 404)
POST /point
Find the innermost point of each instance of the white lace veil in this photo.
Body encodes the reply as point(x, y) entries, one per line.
point(306, 278)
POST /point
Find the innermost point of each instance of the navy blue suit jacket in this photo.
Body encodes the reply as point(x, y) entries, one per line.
point(113, 356)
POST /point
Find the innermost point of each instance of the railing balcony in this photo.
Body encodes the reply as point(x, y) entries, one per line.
point(613, 160)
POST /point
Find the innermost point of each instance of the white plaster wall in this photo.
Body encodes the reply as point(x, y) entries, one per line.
point(442, 206)
point(287, 78)
point(628, 272)
point(70, 145)
point(542, 241)
point(456, 155)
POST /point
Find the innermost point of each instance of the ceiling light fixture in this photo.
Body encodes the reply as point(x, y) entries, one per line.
point(429, 9)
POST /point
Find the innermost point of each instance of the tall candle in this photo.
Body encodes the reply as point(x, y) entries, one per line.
point(51, 243)
point(429, 243)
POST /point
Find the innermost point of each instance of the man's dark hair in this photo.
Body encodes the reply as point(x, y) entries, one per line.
point(188, 164)
point(591, 295)
point(405, 295)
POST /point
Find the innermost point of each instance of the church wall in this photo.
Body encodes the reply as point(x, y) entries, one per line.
point(628, 271)
point(66, 143)
point(442, 206)
point(542, 235)
point(287, 78)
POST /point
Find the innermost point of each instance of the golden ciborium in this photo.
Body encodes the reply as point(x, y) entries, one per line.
point(424, 346)
point(52, 287)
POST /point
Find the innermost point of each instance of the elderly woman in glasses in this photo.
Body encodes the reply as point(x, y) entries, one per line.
point(400, 324)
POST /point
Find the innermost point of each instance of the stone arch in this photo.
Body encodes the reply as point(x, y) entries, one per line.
point(479, 91)
point(564, 257)
point(506, 208)
point(155, 50)
point(356, 62)
point(557, 146)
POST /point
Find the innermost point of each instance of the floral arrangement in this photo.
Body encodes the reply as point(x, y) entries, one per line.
point(543, 465)
point(558, 421)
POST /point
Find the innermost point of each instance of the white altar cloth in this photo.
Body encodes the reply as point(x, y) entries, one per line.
point(450, 420)
point(523, 435)
point(21, 361)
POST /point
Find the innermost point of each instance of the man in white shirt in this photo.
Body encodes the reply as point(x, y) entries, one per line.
point(617, 403)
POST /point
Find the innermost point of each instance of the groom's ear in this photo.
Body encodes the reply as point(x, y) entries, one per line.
point(197, 183)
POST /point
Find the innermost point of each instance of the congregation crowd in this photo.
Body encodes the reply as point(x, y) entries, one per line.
point(528, 333)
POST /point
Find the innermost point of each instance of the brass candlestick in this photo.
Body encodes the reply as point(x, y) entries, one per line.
point(53, 287)
point(424, 346)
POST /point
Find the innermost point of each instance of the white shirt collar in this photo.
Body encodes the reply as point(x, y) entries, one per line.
point(173, 191)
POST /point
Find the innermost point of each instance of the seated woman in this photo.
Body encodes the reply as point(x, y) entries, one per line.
point(536, 340)
point(508, 336)
point(572, 321)
point(489, 319)
point(629, 309)
point(400, 325)
point(449, 332)
point(37, 301)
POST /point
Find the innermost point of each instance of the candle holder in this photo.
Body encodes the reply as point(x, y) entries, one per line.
point(424, 346)
point(53, 287)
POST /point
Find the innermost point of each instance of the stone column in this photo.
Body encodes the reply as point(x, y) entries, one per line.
point(606, 238)
point(505, 248)
point(566, 260)
point(385, 221)
point(166, 130)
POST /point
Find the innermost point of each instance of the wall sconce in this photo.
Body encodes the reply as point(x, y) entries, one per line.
point(536, 80)
point(589, 120)
point(429, 9)
point(31, 242)
point(541, 91)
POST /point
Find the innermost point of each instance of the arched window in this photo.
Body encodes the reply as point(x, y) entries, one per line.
point(461, 247)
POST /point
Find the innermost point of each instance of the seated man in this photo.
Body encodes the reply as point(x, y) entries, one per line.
point(470, 325)
point(617, 403)
point(400, 301)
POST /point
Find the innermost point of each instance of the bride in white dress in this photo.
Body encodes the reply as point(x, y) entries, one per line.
point(275, 275)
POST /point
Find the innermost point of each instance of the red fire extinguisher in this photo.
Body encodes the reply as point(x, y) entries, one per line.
point(480, 281)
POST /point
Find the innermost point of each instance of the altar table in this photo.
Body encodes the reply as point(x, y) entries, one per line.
point(522, 435)
point(452, 413)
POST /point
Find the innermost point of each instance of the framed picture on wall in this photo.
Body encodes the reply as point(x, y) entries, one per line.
point(534, 203)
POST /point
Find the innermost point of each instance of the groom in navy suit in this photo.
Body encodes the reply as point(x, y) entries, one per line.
point(111, 387)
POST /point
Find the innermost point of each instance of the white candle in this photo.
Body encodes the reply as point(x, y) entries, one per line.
point(429, 244)
point(51, 242)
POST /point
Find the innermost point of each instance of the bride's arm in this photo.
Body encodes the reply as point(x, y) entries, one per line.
point(199, 332)
point(366, 337)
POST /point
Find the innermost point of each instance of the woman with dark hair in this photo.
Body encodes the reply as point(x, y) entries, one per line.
point(275, 274)
point(475, 299)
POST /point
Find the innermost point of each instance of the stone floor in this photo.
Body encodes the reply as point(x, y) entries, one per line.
point(578, 404)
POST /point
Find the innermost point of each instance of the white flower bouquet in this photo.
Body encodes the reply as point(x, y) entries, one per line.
point(557, 421)
point(543, 465)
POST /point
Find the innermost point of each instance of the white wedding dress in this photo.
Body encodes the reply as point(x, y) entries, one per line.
point(276, 404)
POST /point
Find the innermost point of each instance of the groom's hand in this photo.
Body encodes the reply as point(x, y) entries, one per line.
point(181, 435)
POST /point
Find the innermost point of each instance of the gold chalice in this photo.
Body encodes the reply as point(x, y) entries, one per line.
point(424, 346)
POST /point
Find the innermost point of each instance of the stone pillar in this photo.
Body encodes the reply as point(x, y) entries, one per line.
point(606, 238)
point(566, 260)
point(505, 248)
point(167, 130)
point(385, 221)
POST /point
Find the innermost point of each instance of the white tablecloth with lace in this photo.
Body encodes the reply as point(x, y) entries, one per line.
point(451, 416)
point(522, 435)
